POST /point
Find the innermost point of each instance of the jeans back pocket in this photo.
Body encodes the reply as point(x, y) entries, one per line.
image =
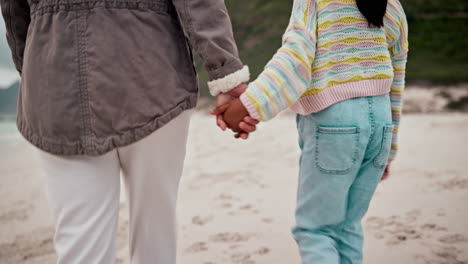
point(381, 160)
point(337, 149)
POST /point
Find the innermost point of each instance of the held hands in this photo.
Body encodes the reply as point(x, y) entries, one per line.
point(231, 113)
point(224, 98)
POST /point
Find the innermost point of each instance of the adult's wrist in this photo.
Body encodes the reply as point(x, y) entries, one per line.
point(230, 81)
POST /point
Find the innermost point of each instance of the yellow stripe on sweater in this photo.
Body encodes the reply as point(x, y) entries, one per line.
point(306, 14)
point(297, 57)
point(344, 20)
point(265, 91)
point(399, 69)
point(397, 90)
point(352, 40)
point(257, 106)
point(289, 101)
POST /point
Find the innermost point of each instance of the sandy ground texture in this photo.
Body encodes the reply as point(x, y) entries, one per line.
point(237, 198)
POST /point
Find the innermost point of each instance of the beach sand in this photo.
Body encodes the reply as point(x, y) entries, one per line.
point(237, 198)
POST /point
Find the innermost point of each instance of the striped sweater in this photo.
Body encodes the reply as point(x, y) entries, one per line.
point(330, 54)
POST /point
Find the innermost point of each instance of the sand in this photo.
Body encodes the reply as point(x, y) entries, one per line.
point(237, 199)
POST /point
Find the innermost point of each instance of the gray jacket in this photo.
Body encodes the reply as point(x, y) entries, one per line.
point(100, 74)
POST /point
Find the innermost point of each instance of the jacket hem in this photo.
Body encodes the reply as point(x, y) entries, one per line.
point(102, 146)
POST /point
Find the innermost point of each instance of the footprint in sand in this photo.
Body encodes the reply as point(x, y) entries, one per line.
point(402, 234)
point(456, 183)
point(227, 201)
point(242, 258)
point(413, 215)
point(441, 213)
point(433, 227)
point(14, 215)
point(200, 221)
point(396, 229)
point(228, 237)
point(262, 251)
point(247, 257)
point(225, 196)
point(453, 239)
point(35, 245)
point(197, 247)
point(244, 210)
point(226, 205)
point(246, 207)
point(447, 255)
point(20, 212)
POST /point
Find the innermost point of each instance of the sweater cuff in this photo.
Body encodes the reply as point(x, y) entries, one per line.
point(230, 81)
point(250, 107)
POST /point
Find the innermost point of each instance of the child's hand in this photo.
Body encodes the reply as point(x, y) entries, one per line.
point(233, 113)
point(386, 173)
point(248, 125)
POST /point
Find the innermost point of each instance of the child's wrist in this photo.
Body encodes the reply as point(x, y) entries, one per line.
point(238, 90)
point(249, 106)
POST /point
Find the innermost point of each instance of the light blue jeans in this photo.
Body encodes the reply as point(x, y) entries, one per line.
point(345, 149)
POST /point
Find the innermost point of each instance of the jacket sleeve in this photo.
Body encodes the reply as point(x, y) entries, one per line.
point(288, 74)
point(208, 27)
point(17, 18)
point(399, 55)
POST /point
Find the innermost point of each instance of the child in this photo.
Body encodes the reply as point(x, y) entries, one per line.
point(341, 68)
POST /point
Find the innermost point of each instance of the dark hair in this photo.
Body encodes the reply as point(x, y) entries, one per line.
point(373, 10)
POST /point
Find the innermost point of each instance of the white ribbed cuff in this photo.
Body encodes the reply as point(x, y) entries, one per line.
point(229, 82)
point(250, 107)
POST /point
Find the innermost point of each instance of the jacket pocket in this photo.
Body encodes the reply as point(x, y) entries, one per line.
point(337, 149)
point(192, 60)
point(187, 73)
point(381, 160)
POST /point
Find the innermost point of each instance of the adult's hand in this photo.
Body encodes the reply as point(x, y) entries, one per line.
point(222, 99)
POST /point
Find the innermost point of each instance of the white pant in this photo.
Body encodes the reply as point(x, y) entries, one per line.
point(84, 195)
